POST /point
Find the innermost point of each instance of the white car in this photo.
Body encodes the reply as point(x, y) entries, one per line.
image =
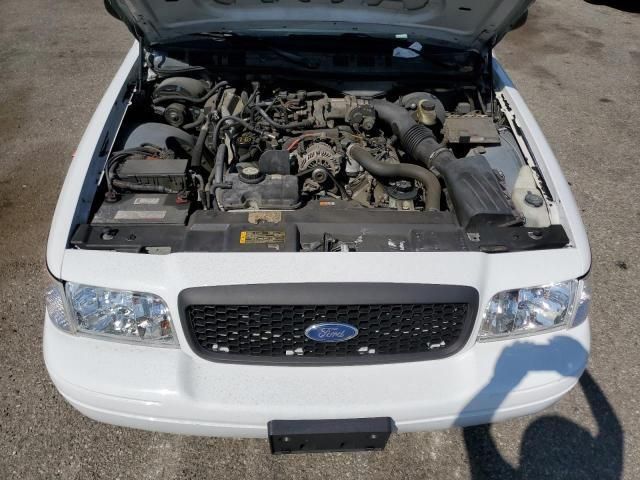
point(317, 222)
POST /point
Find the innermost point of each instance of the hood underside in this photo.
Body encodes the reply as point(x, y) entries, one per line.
point(464, 24)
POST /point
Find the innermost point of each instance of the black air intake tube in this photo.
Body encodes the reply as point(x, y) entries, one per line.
point(472, 185)
point(417, 140)
point(405, 170)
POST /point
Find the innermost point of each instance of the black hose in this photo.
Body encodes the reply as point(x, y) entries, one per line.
point(247, 156)
point(218, 166)
point(417, 140)
point(279, 126)
point(403, 170)
point(196, 153)
point(216, 176)
point(252, 97)
point(186, 98)
point(196, 123)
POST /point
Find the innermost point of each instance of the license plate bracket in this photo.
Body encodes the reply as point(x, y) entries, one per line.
point(340, 435)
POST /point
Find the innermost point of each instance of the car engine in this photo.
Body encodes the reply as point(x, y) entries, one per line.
point(253, 164)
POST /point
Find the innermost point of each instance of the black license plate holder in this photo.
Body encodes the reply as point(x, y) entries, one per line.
point(341, 435)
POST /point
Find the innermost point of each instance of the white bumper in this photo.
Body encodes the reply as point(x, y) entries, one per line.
point(174, 390)
point(169, 390)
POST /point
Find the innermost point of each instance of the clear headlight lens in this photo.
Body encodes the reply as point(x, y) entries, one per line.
point(142, 318)
point(583, 302)
point(57, 308)
point(528, 311)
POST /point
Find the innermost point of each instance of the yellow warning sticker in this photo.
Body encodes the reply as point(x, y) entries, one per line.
point(248, 237)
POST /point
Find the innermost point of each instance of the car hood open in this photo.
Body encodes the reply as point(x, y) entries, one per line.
point(464, 24)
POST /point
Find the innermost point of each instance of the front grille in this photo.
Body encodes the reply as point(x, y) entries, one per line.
point(386, 332)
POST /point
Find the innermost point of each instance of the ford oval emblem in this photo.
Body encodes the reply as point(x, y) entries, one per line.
point(331, 332)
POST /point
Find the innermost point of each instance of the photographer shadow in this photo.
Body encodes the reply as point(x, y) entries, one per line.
point(552, 446)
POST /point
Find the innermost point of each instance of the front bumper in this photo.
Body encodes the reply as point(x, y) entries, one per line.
point(169, 390)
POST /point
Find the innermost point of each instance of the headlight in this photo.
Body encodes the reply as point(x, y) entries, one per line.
point(529, 311)
point(121, 315)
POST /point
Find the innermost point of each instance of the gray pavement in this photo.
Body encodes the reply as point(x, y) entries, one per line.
point(578, 66)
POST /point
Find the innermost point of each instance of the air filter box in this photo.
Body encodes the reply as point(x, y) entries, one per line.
point(476, 194)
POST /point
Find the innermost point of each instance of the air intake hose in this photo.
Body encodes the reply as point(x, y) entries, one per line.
point(472, 185)
point(417, 140)
point(405, 170)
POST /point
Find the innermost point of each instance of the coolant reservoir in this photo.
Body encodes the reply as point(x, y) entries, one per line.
point(529, 201)
point(517, 177)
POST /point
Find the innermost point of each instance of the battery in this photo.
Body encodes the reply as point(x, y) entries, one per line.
point(143, 208)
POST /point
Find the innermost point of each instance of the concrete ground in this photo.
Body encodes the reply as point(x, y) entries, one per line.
point(577, 64)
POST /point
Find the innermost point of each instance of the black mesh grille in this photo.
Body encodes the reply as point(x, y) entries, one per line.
point(278, 331)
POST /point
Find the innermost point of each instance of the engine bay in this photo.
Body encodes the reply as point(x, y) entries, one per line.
point(208, 160)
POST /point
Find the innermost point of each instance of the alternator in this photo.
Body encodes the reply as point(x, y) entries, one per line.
point(321, 155)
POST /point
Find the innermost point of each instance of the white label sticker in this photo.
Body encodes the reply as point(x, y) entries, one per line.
point(136, 215)
point(146, 201)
